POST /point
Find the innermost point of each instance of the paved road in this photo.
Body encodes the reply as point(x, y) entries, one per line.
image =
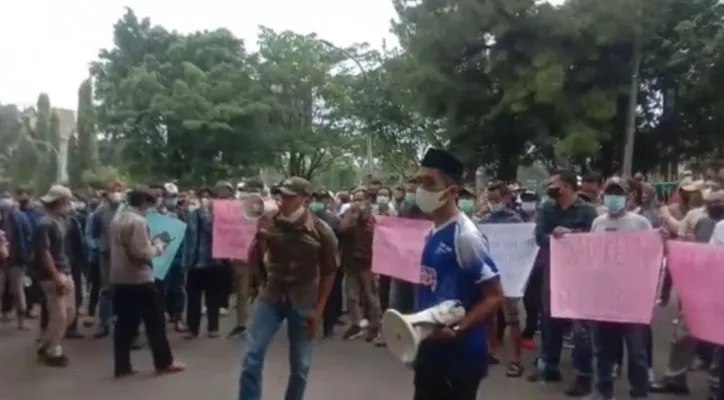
point(341, 370)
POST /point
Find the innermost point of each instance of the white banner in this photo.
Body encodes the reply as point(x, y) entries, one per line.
point(513, 248)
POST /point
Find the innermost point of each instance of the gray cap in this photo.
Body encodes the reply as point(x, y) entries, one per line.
point(296, 186)
point(55, 193)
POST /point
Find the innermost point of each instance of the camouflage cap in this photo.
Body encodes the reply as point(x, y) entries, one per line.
point(296, 186)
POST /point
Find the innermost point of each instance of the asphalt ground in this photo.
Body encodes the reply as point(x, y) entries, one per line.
point(349, 370)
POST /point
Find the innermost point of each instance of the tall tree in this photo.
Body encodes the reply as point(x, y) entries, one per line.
point(85, 141)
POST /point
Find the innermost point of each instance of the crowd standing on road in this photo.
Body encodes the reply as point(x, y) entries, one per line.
point(311, 261)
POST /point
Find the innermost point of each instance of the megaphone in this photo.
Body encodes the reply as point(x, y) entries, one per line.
point(403, 333)
point(254, 206)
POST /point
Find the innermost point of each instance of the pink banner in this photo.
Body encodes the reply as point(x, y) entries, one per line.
point(397, 247)
point(232, 234)
point(697, 270)
point(606, 276)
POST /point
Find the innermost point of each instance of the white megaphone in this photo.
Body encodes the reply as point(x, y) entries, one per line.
point(403, 333)
point(255, 206)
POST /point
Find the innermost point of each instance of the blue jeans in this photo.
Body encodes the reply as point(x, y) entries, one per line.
point(552, 332)
point(607, 337)
point(265, 319)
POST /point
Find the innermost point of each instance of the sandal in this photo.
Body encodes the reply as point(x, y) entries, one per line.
point(515, 370)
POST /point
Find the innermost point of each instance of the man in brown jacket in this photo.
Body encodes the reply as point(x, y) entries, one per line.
point(361, 285)
point(299, 253)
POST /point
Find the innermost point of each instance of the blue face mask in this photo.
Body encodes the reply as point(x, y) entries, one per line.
point(614, 203)
point(316, 206)
point(495, 207)
point(410, 198)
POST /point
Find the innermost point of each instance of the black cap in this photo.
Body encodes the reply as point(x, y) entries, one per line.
point(445, 162)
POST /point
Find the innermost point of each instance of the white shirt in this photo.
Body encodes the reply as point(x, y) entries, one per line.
point(717, 237)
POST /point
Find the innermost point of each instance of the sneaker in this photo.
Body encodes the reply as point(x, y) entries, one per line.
point(213, 334)
point(238, 330)
point(171, 369)
point(616, 371)
point(581, 387)
point(223, 311)
point(652, 377)
point(379, 341)
point(55, 361)
point(670, 385)
point(371, 334)
point(124, 374)
point(545, 376)
point(179, 327)
point(352, 333)
point(87, 323)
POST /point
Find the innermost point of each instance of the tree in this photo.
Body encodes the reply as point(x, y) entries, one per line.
point(83, 146)
point(306, 130)
point(178, 105)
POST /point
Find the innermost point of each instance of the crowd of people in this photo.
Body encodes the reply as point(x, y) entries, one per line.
point(311, 261)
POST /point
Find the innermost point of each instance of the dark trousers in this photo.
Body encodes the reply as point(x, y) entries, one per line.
point(648, 343)
point(333, 309)
point(94, 284)
point(532, 302)
point(607, 336)
point(134, 304)
point(435, 385)
point(7, 299)
point(209, 282)
point(175, 289)
point(384, 291)
point(228, 284)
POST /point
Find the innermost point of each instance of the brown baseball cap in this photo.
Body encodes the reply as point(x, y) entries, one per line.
point(295, 186)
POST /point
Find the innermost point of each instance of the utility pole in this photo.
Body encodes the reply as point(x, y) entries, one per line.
point(628, 150)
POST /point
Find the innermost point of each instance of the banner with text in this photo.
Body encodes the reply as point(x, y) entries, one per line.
point(232, 234)
point(697, 272)
point(397, 247)
point(513, 249)
point(606, 276)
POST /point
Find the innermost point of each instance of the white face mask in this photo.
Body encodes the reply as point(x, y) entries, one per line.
point(115, 197)
point(528, 206)
point(428, 201)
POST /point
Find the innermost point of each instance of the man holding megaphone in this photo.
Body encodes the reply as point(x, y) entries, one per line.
point(456, 269)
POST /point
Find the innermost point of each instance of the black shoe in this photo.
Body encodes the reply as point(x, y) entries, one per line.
point(238, 330)
point(103, 333)
point(42, 351)
point(545, 376)
point(73, 334)
point(55, 361)
point(670, 386)
point(581, 387)
point(124, 374)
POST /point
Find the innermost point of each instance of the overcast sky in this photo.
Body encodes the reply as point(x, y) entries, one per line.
point(46, 45)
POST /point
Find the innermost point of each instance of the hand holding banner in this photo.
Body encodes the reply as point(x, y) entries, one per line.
point(697, 271)
point(606, 276)
point(513, 248)
point(232, 234)
point(397, 247)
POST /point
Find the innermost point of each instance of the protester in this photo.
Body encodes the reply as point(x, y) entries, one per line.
point(333, 309)
point(54, 271)
point(499, 195)
point(566, 214)
point(609, 335)
point(383, 204)
point(301, 261)
point(135, 295)
point(466, 201)
point(361, 286)
point(75, 249)
point(99, 237)
point(206, 275)
point(590, 189)
point(451, 362)
point(17, 232)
